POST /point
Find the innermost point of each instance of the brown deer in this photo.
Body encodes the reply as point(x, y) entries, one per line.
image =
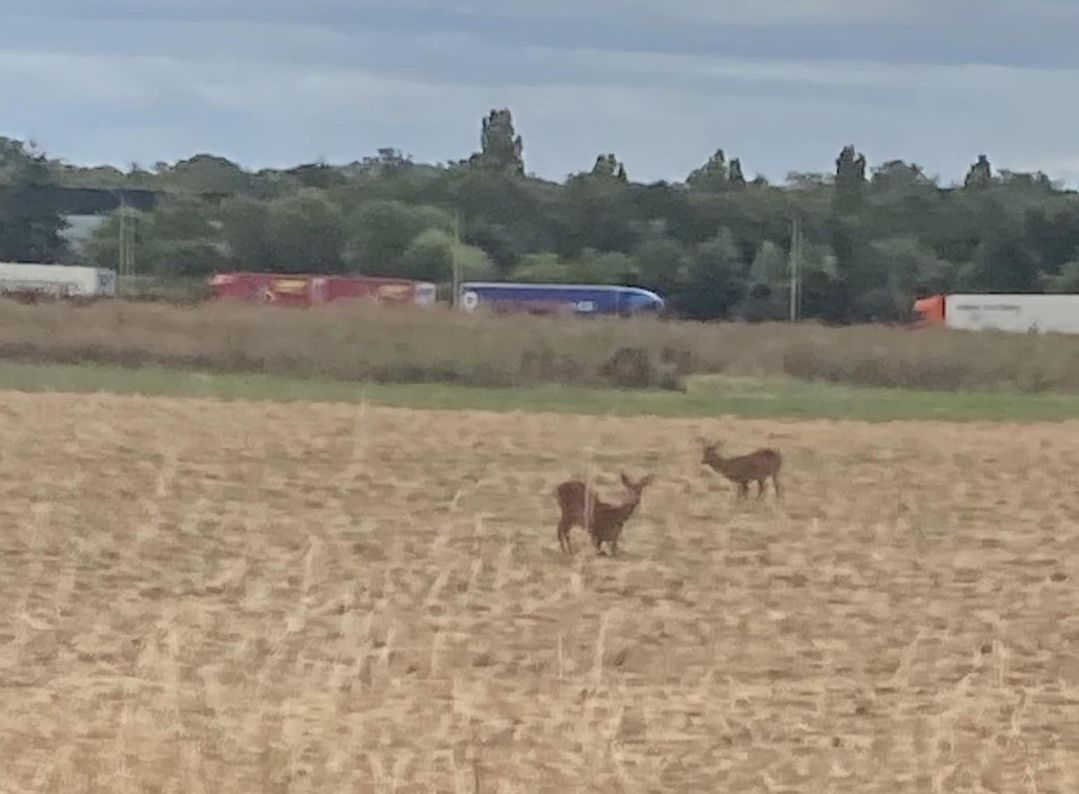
point(743, 469)
point(580, 506)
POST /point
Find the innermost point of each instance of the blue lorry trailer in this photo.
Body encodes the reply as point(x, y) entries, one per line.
point(586, 299)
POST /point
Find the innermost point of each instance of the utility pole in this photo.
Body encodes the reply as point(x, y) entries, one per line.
point(453, 260)
point(795, 268)
point(122, 240)
point(126, 242)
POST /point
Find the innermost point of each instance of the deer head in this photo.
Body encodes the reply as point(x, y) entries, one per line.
point(710, 451)
point(637, 488)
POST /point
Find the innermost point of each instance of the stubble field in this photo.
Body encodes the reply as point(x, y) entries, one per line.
point(200, 596)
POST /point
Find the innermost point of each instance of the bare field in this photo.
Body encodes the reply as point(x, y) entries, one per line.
point(254, 597)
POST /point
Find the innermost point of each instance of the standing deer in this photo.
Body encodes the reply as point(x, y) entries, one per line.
point(743, 469)
point(580, 506)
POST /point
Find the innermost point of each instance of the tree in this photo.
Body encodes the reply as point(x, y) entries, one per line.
point(1066, 281)
point(302, 232)
point(30, 224)
point(768, 285)
point(597, 210)
point(591, 267)
point(662, 265)
point(980, 174)
point(737, 178)
point(715, 246)
point(713, 175)
point(906, 268)
point(715, 279)
point(317, 175)
point(246, 232)
point(717, 175)
point(501, 148)
point(850, 179)
point(380, 232)
point(177, 240)
point(898, 176)
point(609, 167)
point(205, 174)
point(307, 233)
point(432, 255)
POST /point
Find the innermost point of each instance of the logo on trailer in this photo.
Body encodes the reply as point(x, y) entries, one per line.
point(393, 291)
point(287, 285)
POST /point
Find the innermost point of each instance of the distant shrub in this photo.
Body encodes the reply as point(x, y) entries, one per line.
point(384, 344)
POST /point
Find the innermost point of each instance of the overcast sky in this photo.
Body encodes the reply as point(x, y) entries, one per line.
point(783, 84)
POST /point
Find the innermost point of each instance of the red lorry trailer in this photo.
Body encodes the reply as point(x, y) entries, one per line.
point(305, 289)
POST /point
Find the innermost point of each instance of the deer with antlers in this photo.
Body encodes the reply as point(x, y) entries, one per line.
point(741, 470)
point(580, 506)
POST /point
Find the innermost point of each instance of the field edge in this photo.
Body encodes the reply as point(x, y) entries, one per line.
point(705, 397)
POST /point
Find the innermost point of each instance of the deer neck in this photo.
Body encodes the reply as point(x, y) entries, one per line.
point(625, 510)
point(715, 460)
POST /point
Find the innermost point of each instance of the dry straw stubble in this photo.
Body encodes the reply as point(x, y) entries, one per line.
point(403, 345)
point(198, 595)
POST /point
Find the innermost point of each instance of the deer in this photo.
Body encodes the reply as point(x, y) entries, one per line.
point(758, 465)
point(580, 506)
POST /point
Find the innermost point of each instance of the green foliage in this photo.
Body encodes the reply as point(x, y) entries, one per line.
point(609, 167)
point(432, 255)
point(716, 278)
point(501, 148)
point(246, 231)
point(589, 267)
point(980, 174)
point(850, 181)
point(304, 232)
point(716, 175)
point(205, 174)
point(380, 232)
point(178, 240)
point(307, 234)
point(1066, 281)
point(717, 246)
point(30, 225)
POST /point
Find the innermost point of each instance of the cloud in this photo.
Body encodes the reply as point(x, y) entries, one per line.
point(907, 31)
point(662, 85)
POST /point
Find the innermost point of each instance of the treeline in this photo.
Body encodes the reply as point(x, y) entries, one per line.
point(867, 240)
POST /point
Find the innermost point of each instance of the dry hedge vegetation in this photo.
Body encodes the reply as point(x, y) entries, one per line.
point(402, 345)
point(208, 597)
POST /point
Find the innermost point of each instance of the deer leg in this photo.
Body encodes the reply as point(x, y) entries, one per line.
point(760, 488)
point(743, 490)
point(775, 484)
point(563, 535)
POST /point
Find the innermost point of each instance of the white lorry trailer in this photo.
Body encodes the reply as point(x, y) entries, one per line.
point(1018, 313)
point(57, 280)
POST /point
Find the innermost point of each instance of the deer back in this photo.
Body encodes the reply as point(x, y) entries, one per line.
point(574, 498)
point(756, 465)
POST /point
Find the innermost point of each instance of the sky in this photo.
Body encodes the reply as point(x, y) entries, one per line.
point(782, 84)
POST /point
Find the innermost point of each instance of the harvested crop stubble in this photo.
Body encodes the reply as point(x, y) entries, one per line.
point(269, 597)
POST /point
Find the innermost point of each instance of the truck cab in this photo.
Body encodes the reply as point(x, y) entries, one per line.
point(929, 312)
